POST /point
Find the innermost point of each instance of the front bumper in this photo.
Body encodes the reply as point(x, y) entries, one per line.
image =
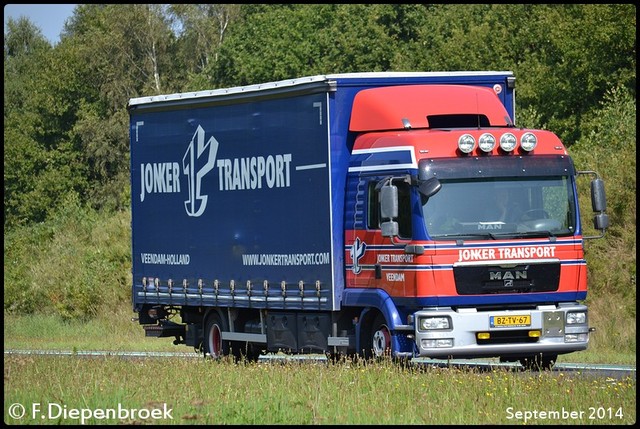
point(473, 333)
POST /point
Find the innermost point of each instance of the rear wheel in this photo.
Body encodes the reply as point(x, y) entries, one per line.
point(539, 362)
point(249, 351)
point(214, 347)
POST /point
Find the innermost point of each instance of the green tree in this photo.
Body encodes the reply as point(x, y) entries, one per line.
point(40, 161)
point(287, 41)
point(565, 57)
point(123, 51)
point(202, 29)
point(582, 52)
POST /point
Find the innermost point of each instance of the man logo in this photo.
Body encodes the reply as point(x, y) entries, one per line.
point(508, 275)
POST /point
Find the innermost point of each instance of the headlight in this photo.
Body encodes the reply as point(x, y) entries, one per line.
point(576, 318)
point(528, 141)
point(436, 322)
point(508, 142)
point(466, 143)
point(486, 142)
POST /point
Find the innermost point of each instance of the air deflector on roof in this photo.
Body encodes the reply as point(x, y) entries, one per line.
point(411, 106)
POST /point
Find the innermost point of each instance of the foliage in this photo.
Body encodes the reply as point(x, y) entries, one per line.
point(65, 106)
point(608, 146)
point(40, 161)
point(70, 266)
point(66, 144)
point(202, 30)
point(565, 57)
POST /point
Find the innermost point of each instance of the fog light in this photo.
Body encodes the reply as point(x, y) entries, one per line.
point(483, 335)
point(438, 343)
point(487, 142)
point(535, 334)
point(576, 338)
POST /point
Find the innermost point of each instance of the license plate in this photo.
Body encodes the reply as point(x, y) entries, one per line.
point(510, 321)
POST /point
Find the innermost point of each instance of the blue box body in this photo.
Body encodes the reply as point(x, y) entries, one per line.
point(235, 188)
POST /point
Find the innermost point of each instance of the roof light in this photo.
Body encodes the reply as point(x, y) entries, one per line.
point(528, 141)
point(508, 142)
point(466, 143)
point(487, 142)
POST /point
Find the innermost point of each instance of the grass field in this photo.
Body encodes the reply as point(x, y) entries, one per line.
point(106, 390)
point(70, 390)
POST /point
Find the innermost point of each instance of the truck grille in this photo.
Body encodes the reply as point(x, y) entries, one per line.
point(525, 278)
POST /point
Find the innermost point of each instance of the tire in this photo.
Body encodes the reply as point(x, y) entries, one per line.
point(539, 362)
point(378, 341)
point(213, 346)
point(335, 357)
point(245, 350)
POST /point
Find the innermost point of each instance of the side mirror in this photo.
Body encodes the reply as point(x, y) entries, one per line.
point(389, 211)
point(601, 221)
point(598, 197)
point(598, 204)
point(429, 187)
point(389, 202)
point(389, 229)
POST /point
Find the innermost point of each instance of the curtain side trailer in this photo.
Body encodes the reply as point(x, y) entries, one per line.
point(365, 213)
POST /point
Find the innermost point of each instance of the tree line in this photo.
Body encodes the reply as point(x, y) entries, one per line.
point(65, 116)
point(66, 132)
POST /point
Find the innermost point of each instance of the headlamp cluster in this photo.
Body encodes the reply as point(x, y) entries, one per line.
point(487, 142)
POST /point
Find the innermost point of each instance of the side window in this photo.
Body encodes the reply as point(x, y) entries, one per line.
point(373, 208)
point(404, 208)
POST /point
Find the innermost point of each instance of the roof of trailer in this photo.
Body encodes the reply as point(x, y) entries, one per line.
point(328, 80)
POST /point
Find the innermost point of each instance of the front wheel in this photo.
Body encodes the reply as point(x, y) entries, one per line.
point(379, 339)
point(539, 362)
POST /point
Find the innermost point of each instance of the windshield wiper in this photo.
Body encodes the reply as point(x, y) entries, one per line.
point(526, 234)
point(490, 235)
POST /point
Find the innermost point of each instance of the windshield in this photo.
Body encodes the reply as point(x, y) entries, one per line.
point(497, 207)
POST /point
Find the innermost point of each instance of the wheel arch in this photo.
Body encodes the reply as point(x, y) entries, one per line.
point(218, 312)
point(373, 299)
point(375, 302)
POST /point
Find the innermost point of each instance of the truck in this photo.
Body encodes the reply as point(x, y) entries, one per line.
point(372, 214)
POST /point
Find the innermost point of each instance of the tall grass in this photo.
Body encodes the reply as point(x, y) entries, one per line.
point(220, 392)
point(108, 331)
point(75, 265)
